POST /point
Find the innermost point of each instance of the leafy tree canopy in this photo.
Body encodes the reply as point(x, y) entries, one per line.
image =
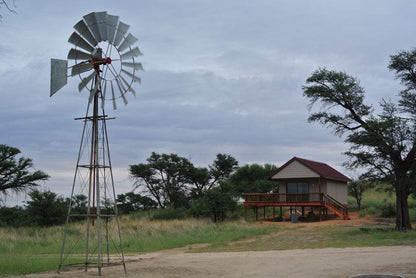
point(253, 179)
point(173, 180)
point(45, 208)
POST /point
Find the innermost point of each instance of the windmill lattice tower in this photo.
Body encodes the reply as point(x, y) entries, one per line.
point(104, 58)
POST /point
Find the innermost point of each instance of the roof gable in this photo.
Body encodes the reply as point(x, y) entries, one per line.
point(318, 168)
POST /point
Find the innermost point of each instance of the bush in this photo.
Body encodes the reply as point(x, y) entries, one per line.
point(169, 214)
point(13, 217)
point(388, 210)
point(199, 208)
point(46, 208)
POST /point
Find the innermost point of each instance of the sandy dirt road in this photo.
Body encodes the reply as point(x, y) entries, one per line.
point(327, 263)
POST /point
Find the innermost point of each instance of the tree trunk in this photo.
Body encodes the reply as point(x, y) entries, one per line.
point(402, 211)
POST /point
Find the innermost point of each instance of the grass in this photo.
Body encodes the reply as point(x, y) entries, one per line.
point(142, 235)
point(300, 236)
point(38, 249)
point(375, 201)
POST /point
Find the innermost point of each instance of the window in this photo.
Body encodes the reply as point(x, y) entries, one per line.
point(297, 188)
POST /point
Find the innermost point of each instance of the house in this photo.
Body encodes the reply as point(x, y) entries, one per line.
point(304, 184)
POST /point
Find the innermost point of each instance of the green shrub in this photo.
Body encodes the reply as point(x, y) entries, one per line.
point(387, 210)
point(199, 208)
point(169, 214)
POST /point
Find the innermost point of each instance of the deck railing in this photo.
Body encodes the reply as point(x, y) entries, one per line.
point(282, 197)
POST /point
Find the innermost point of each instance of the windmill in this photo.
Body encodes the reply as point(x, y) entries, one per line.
point(104, 57)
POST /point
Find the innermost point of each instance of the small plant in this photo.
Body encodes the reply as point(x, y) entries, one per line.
point(387, 210)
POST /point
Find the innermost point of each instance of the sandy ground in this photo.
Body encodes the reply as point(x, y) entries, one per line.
point(329, 262)
point(309, 263)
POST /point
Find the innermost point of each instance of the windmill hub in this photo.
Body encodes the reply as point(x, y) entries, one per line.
point(98, 62)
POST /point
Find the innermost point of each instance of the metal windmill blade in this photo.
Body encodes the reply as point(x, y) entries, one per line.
point(96, 33)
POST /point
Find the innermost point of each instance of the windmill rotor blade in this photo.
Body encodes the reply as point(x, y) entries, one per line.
point(76, 40)
point(76, 54)
point(84, 32)
point(59, 70)
point(136, 66)
point(80, 68)
point(132, 76)
point(101, 18)
point(129, 87)
point(92, 24)
point(85, 81)
point(128, 41)
point(122, 91)
point(121, 31)
point(112, 22)
point(124, 99)
point(131, 53)
point(113, 97)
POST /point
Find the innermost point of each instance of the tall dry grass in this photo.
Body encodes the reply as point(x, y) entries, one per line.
point(32, 249)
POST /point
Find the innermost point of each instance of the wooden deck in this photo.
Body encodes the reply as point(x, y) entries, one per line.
point(313, 200)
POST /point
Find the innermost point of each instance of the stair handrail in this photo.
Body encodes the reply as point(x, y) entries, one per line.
point(336, 204)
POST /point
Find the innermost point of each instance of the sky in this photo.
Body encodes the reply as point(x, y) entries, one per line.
point(219, 77)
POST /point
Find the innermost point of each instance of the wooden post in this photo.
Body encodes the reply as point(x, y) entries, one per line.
point(257, 210)
point(264, 213)
point(274, 213)
point(281, 212)
point(320, 213)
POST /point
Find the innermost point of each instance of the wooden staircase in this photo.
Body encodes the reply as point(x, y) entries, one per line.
point(336, 207)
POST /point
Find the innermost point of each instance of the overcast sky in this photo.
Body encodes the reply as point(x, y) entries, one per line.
point(220, 77)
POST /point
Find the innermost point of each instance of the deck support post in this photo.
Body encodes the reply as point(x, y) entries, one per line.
point(320, 213)
point(281, 212)
point(264, 213)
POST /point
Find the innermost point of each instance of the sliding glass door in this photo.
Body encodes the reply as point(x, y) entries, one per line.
point(297, 191)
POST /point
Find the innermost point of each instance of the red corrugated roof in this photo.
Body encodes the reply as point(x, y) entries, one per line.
point(322, 169)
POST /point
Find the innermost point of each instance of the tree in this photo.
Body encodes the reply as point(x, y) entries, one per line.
point(253, 179)
point(385, 144)
point(173, 180)
point(15, 173)
point(222, 167)
point(164, 177)
point(204, 179)
point(130, 202)
point(219, 201)
point(46, 208)
point(356, 188)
